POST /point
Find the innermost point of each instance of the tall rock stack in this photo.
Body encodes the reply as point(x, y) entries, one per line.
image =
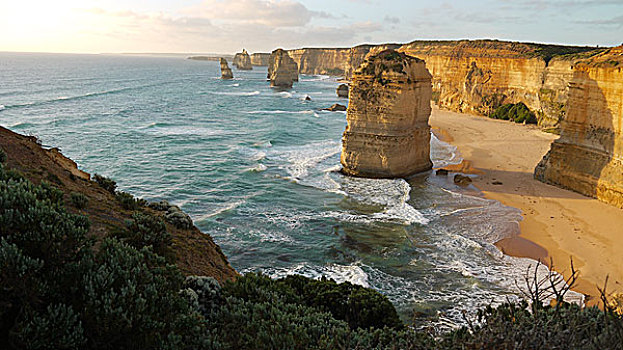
point(282, 70)
point(225, 70)
point(588, 156)
point(388, 135)
point(260, 59)
point(242, 60)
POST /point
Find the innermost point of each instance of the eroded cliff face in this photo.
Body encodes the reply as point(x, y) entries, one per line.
point(242, 60)
point(282, 70)
point(260, 59)
point(225, 70)
point(588, 157)
point(471, 76)
point(388, 135)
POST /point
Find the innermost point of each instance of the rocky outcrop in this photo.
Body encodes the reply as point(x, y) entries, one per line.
point(260, 59)
point(472, 76)
point(242, 61)
point(336, 107)
point(194, 252)
point(388, 134)
point(588, 156)
point(282, 70)
point(342, 91)
point(225, 70)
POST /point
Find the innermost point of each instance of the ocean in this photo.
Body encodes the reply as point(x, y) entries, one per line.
point(258, 169)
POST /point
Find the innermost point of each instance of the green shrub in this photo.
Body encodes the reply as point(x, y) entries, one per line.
point(79, 200)
point(519, 113)
point(2, 156)
point(56, 293)
point(128, 201)
point(145, 230)
point(105, 183)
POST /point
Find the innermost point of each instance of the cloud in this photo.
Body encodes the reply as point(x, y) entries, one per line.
point(391, 19)
point(611, 22)
point(275, 13)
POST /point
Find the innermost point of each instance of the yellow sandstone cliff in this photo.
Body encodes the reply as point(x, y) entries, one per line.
point(260, 59)
point(471, 76)
point(588, 157)
point(388, 134)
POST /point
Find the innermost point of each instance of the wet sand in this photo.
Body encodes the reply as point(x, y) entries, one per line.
point(557, 224)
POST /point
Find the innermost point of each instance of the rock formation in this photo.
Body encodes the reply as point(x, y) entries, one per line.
point(342, 91)
point(260, 59)
point(336, 107)
point(388, 134)
point(242, 60)
point(588, 156)
point(282, 70)
point(472, 76)
point(225, 70)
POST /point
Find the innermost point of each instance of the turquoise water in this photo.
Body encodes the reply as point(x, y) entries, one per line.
point(257, 169)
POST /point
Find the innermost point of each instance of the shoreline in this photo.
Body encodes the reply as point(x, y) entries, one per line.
point(558, 225)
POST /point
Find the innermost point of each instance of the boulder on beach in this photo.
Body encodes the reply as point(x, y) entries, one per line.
point(462, 180)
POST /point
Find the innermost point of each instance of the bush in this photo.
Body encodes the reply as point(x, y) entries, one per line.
point(128, 201)
point(79, 200)
point(105, 183)
point(518, 113)
point(57, 293)
point(145, 230)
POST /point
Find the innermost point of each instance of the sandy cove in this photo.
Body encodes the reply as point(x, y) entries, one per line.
point(557, 224)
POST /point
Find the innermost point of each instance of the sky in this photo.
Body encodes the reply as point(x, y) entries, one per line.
point(217, 26)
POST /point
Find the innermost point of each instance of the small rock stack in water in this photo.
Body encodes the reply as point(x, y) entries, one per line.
point(388, 135)
point(225, 70)
point(282, 70)
point(242, 60)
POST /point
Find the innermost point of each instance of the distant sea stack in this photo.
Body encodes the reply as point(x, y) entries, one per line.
point(282, 70)
point(260, 59)
point(388, 135)
point(342, 91)
point(588, 156)
point(242, 60)
point(225, 70)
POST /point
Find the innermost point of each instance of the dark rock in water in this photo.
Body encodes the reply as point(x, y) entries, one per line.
point(307, 98)
point(441, 172)
point(342, 91)
point(336, 108)
point(462, 180)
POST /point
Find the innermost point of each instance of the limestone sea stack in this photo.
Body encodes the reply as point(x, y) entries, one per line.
point(342, 91)
point(282, 70)
point(387, 134)
point(225, 70)
point(242, 60)
point(588, 156)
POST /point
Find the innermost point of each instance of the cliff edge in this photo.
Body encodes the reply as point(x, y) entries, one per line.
point(195, 253)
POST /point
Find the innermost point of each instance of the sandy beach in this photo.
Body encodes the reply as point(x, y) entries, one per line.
point(557, 224)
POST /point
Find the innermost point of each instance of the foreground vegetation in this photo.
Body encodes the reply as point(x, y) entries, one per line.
point(59, 289)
